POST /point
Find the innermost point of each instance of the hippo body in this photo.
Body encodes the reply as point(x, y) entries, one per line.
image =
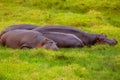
point(87, 38)
point(63, 39)
point(26, 39)
point(20, 26)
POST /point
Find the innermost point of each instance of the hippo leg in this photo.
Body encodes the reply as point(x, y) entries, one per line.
point(25, 46)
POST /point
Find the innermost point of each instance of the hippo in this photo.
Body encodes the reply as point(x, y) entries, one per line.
point(64, 40)
point(19, 26)
point(88, 39)
point(26, 39)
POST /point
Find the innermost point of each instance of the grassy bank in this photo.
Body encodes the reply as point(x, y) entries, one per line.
point(101, 62)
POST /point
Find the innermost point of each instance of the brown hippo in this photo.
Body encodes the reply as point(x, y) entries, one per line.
point(26, 39)
point(87, 38)
point(19, 26)
point(64, 39)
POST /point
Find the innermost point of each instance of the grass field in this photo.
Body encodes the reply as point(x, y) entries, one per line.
point(101, 62)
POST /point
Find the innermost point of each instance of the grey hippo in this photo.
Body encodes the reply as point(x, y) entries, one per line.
point(19, 26)
point(88, 39)
point(63, 39)
point(26, 39)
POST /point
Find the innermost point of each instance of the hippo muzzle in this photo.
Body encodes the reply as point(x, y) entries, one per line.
point(49, 44)
point(102, 39)
point(50, 47)
point(112, 42)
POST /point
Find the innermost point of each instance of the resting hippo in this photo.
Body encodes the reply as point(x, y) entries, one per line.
point(63, 39)
point(87, 38)
point(26, 39)
point(20, 26)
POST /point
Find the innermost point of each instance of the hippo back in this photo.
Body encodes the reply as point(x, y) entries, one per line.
point(19, 26)
point(26, 38)
point(64, 39)
point(87, 38)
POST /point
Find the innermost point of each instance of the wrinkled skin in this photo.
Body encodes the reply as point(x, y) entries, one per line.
point(63, 39)
point(87, 38)
point(26, 39)
point(20, 26)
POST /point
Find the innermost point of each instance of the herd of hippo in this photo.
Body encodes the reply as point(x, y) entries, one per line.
point(25, 36)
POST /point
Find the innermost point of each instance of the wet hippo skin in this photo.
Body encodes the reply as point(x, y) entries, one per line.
point(26, 39)
point(63, 39)
point(87, 38)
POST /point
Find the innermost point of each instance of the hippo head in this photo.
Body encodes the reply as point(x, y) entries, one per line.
point(49, 44)
point(102, 39)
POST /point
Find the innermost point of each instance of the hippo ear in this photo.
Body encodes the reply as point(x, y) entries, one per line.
point(105, 35)
point(102, 34)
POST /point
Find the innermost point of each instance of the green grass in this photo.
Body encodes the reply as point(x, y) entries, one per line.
point(101, 62)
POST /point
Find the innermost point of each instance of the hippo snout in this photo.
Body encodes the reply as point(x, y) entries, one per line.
point(113, 42)
point(54, 47)
point(51, 47)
